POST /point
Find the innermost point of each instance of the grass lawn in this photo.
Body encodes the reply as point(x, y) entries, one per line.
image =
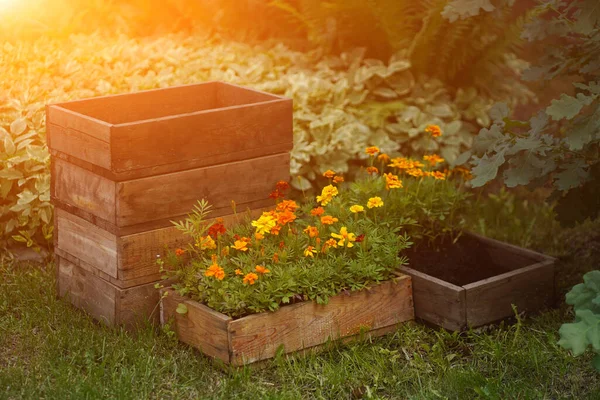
point(50, 350)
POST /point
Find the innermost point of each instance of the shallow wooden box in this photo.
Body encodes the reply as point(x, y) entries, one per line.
point(301, 326)
point(528, 284)
point(153, 132)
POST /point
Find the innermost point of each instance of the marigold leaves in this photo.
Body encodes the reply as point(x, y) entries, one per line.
point(568, 106)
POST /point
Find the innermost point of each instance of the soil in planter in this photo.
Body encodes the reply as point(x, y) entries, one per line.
point(461, 263)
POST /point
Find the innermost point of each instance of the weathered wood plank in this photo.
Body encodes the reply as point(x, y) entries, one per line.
point(239, 129)
point(229, 95)
point(84, 190)
point(200, 327)
point(437, 301)
point(151, 199)
point(61, 115)
point(303, 325)
point(78, 145)
point(529, 288)
point(87, 242)
point(508, 255)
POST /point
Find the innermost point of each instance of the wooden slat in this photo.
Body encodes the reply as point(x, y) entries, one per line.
point(86, 291)
point(147, 104)
point(529, 288)
point(60, 115)
point(200, 327)
point(87, 242)
point(84, 190)
point(229, 95)
point(304, 325)
point(151, 199)
point(438, 302)
point(234, 130)
point(138, 305)
point(78, 145)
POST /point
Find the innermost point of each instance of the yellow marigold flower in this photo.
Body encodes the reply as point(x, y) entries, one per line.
point(327, 194)
point(329, 174)
point(312, 231)
point(384, 158)
point(206, 242)
point(328, 220)
point(261, 269)
point(259, 236)
point(310, 251)
point(265, 223)
point(356, 208)
point(240, 245)
point(250, 278)
point(216, 271)
point(372, 150)
point(416, 172)
point(435, 130)
point(392, 181)
point(465, 172)
point(287, 205)
point(344, 237)
point(375, 202)
point(372, 170)
point(238, 272)
point(338, 179)
point(433, 159)
point(439, 175)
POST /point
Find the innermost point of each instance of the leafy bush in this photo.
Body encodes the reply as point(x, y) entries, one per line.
point(347, 239)
point(584, 332)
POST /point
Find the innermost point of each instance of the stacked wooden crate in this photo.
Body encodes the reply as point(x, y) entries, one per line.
point(125, 166)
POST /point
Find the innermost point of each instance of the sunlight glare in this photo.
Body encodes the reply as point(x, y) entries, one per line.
point(6, 4)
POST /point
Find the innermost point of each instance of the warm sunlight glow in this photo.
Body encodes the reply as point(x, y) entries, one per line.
point(6, 4)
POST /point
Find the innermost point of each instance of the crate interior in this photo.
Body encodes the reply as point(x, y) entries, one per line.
point(145, 105)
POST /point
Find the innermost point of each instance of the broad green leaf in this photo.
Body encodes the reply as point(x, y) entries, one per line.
point(486, 168)
point(521, 170)
point(587, 130)
point(568, 106)
point(498, 112)
point(488, 139)
point(572, 175)
point(9, 146)
point(181, 309)
point(11, 174)
point(18, 126)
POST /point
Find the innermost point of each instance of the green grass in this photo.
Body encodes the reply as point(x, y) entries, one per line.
point(50, 350)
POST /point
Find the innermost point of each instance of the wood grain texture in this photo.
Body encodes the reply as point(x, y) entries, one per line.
point(87, 242)
point(201, 327)
point(84, 190)
point(61, 115)
point(104, 301)
point(240, 130)
point(151, 199)
point(304, 325)
point(78, 145)
point(529, 288)
point(438, 302)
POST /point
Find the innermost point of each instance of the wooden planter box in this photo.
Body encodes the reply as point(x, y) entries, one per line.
point(295, 327)
point(528, 283)
point(125, 166)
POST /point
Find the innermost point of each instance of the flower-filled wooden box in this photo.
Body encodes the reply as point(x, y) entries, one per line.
point(306, 325)
point(478, 281)
point(124, 166)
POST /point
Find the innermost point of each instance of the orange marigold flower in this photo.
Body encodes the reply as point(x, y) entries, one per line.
point(217, 228)
point(259, 236)
point(384, 158)
point(275, 258)
point(317, 211)
point(372, 150)
point(276, 194)
point(250, 278)
point(415, 172)
point(360, 238)
point(375, 202)
point(439, 175)
point(435, 130)
point(287, 205)
point(465, 172)
point(282, 186)
point(179, 252)
point(312, 231)
point(225, 251)
point(285, 217)
point(216, 271)
point(392, 181)
point(240, 245)
point(331, 243)
point(433, 159)
point(281, 245)
point(261, 269)
point(310, 251)
point(239, 272)
point(338, 179)
point(328, 220)
point(372, 170)
point(275, 230)
point(329, 174)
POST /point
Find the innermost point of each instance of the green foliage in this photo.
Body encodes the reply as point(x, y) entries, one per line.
point(558, 145)
point(584, 332)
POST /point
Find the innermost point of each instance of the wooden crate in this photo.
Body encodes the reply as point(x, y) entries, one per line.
point(155, 132)
point(529, 286)
point(77, 282)
point(295, 327)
